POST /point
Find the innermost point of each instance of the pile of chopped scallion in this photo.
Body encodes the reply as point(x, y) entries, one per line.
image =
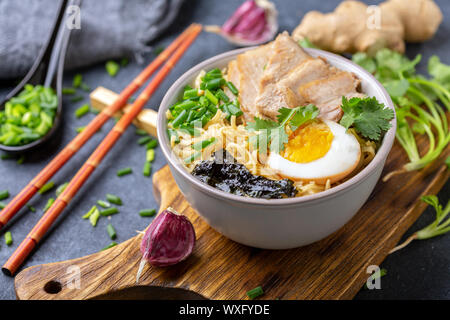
point(199, 106)
point(28, 116)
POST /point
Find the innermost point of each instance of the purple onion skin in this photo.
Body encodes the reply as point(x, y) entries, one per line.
point(169, 239)
point(251, 19)
point(230, 24)
point(257, 30)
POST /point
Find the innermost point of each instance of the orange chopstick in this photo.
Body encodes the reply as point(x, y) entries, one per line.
point(94, 160)
point(34, 185)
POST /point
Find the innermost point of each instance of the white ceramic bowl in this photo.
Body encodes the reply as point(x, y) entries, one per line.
point(277, 223)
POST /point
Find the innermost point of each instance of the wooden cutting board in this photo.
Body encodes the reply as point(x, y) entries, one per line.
point(333, 268)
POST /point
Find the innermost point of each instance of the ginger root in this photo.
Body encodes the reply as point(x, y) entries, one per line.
point(353, 26)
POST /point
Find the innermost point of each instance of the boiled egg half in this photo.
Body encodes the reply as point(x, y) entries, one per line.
point(318, 151)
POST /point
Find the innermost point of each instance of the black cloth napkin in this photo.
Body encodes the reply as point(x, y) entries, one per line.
point(109, 29)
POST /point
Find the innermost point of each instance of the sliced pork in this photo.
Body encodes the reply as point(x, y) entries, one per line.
point(285, 93)
point(281, 74)
point(251, 66)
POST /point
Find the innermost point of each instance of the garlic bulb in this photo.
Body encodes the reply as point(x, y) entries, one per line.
point(253, 23)
point(169, 239)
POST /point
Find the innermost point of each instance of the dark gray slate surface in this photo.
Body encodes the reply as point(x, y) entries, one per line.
point(420, 271)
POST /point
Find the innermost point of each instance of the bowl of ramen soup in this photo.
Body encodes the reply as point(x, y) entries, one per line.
point(276, 146)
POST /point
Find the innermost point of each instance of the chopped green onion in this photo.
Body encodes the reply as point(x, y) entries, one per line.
point(8, 238)
point(31, 208)
point(85, 87)
point(200, 112)
point(203, 101)
point(144, 140)
point(112, 244)
point(113, 199)
point(50, 202)
point(232, 88)
point(21, 159)
point(204, 120)
point(152, 144)
point(103, 204)
point(193, 157)
point(147, 169)
point(222, 96)
point(173, 133)
point(68, 91)
point(191, 116)
point(203, 144)
point(77, 80)
point(81, 111)
point(210, 76)
point(147, 212)
point(46, 187)
point(89, 213)
point(180, 119)
point(124, 172)
point(109, 212)
point(158, 50)
point(80, 129)
point(93, 218)
point(28, 116)
point(211, 97)
point(4, 194)
point(112, 68)
point(7, 156)
point(212, 109)
point(192, 93)
point(214, 84)
point(150, 155)
point(235, 111)
point(124, 62)
point(186, 105)
point(76, 99)
point(214, 71)
point(61, 189)
point(254, 293)
point(2, 205)
point(111, 231)
point(141, 132)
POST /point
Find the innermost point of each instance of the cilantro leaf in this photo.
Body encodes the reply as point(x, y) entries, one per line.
point(278, 137)
point(393, 63)
point(362, 59)
point(303, 115)
point(396, 88)
point(275, 132)
point(439, 70)
point(367, 116)
point(259, 124)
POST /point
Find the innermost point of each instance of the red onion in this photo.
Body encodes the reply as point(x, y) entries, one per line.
point(253, 23)
point(257, 30)
point(169, 239)
point(245, 8)
point(250, 19)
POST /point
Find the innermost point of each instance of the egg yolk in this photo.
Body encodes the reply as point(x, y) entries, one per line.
point(308, 143)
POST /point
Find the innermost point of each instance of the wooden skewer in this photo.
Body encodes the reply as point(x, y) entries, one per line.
point(34, 185)
point(94, 160)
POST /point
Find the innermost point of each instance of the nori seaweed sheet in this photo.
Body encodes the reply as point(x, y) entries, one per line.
point(226, 174)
